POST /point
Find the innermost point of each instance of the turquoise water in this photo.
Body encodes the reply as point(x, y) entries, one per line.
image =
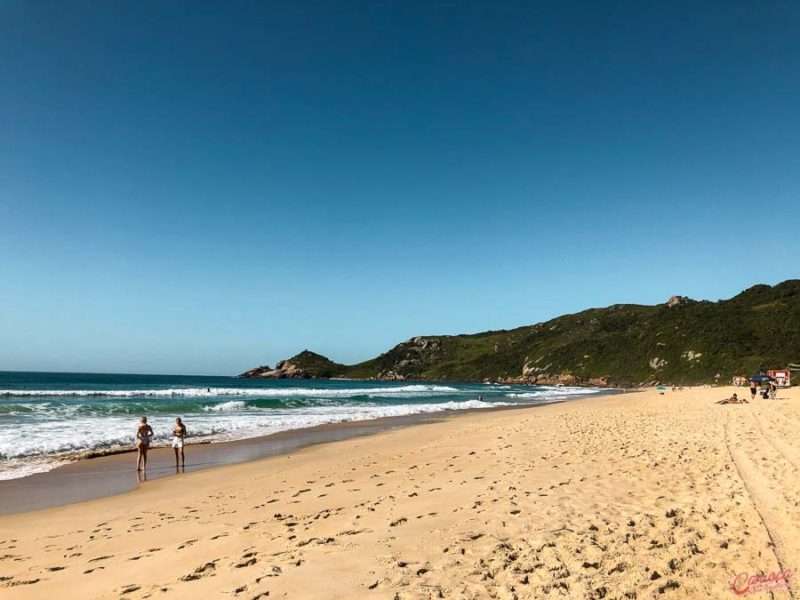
point(46, 418)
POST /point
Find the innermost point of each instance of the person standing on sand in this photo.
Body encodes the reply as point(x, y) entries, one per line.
point(178, 437)
point(753, 390)
point(144, 433)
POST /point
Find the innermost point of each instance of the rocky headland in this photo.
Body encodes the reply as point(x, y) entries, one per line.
point(681, 341)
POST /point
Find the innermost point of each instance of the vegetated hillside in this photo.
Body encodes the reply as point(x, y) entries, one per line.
point(682, 341)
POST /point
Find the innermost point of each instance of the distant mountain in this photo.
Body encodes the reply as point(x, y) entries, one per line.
point(682, 341)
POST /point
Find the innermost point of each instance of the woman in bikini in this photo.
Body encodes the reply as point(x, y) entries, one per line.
point(144, 433)
point(733, 400)
point(178, 436)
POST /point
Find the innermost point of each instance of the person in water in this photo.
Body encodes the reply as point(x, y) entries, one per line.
point(144, 433)
point(178, 437)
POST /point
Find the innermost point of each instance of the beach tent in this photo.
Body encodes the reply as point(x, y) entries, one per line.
point(761, 378)
point(782, 377)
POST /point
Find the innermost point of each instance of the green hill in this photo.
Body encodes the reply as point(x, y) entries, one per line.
point(683, 341)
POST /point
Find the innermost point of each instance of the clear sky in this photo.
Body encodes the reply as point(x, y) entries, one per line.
point(191, 187)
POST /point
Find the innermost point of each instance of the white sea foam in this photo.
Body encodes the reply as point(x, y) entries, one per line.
point(554, 392)
point(16, 468)
point(399, 391)
point(230, 405)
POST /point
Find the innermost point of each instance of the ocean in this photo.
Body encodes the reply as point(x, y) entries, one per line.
point(47, 419)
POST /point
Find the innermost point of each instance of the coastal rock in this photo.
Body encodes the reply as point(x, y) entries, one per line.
point(390, 376)
point(567, 379)
point(534, 372)
point(421, 344)
point(677, 301)
point(545, 378)
point(285, 369)
point(407, 362)
point(256, 371)
point(528, 370)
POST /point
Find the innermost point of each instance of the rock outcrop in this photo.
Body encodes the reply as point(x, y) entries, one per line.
point(677, 301)
point(257, 371)
point(284, 369)
point(306, 365)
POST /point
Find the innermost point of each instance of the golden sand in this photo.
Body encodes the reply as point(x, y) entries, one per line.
point(639, 495)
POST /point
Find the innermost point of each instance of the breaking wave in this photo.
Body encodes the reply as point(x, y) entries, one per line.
point(419, 389)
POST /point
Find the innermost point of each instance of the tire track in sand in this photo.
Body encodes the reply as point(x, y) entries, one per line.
point(762, 492)
point(775, 442)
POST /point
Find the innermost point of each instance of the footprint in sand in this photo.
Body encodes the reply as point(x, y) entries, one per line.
point(88, 571)
point(23, 582)
point(99, 558)
point(248, 560)
point(205, 570)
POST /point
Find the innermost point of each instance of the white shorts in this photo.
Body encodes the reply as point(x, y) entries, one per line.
point(177, 442)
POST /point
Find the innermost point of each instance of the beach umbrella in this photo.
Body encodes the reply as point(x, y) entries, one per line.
point(761, 378)
point(661, 388)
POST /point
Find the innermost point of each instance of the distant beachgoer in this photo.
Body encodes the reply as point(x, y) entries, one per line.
point(753, 390)
point(144, 433)
point(732, 400)
point(178, 437)
point(480, 397)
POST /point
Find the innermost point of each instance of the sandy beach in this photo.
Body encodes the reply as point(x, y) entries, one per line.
point(639, 495)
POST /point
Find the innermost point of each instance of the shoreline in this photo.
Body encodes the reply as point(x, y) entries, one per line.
point(39, 437)
point(99, 474)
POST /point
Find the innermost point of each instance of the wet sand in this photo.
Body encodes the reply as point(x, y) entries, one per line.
point(631, 496)
point(92, 478)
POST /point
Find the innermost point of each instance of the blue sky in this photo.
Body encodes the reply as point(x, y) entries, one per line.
point(195, 187)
